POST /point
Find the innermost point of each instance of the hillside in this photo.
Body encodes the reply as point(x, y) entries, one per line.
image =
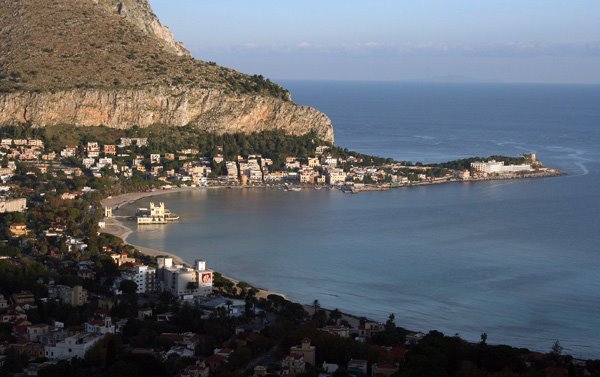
point(92, 62)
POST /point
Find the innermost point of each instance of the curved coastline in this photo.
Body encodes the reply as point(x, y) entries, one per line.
point(118, 228)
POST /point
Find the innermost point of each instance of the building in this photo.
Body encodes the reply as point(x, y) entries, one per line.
point(339, 330)
point(75, 296)
point(100, 327)
point(121, 259)
point(306, 350)
point(23, 298)
point(13, 205)
point(145, 278)
point(36, 332)
point(110, 149)
point(367, 329)
point(314, 162)
point(155, 158)
point(357, 367)
point(74, 346)
point(18, 229)
point(293, 365)
point(383, 369)
point(157, 214)
point(336, 176)
point(498, 167)
point(185, 281)
point(69, 151)
point(307, 176)
point(232, 171)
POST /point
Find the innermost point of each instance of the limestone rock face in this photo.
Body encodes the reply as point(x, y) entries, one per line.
point(210, 109)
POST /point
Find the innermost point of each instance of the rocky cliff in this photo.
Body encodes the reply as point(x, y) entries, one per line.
point(108, 62)
point(210, 109)
point(140, 14)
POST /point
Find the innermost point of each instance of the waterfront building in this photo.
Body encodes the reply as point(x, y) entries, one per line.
point(183, 281)
point(307, 176)
point(156, 214)
point(336, 176)
point(232, 171)
point(498, 167)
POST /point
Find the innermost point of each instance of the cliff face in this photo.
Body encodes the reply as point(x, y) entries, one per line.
point(112, 63)
point(210, 109)
point(140, 14)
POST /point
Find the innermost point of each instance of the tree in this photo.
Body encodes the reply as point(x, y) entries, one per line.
point(316, 305)
point(128, 287)
point(484, 337)
point(335, 315)
point(390, 324)
point(556, 349)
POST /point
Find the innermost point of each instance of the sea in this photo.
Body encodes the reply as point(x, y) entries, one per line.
point(518, 260)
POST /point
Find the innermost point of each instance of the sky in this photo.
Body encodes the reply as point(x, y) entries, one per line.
point(546, 41)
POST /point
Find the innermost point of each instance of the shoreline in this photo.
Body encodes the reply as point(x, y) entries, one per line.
point(118, 228)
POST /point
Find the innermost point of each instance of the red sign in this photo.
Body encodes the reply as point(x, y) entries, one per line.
point(206, 278)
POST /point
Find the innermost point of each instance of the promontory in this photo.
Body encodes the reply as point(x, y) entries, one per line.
point(112, 63)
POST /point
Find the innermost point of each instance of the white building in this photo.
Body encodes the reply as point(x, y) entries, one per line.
point(155, 158)
point(183, 281)
point(145, 278)
point(498, 167)
point(74, 346)
point(100, 327)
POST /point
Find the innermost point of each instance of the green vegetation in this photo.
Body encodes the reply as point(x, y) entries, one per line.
point(76, 44)
point(275, 145)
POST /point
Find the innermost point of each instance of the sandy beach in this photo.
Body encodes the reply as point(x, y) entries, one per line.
point(116, 202)
point(118, 226)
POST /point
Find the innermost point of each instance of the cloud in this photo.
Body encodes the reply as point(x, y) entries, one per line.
point(512, 49)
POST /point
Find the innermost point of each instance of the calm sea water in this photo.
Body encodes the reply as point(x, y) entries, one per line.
point(518, 260)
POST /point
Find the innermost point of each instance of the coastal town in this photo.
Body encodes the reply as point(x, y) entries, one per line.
point(75, 297)
point(323, 167)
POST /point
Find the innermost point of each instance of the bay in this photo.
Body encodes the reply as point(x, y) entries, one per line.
point(518, 260)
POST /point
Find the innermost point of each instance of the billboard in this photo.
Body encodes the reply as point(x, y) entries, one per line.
point(206, 279)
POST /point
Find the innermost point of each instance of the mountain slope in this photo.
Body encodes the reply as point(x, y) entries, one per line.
point(93, 62)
